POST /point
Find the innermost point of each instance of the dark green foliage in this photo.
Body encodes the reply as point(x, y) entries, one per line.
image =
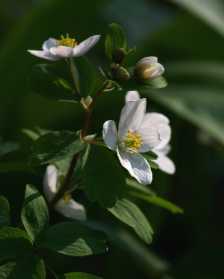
point(34, 214)
point(4, 212)
point(97, 185)
point(73, 239)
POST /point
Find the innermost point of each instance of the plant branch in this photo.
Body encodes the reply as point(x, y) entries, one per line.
point(89, 111)
point(65, 187)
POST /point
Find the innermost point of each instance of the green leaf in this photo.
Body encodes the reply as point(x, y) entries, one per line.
point(49, 81)
point(73, 239)
point(79, 275)
point(57, 148)
point(104, 180)
point(26, 267)
point(144, 193)
point(115, 40)
point(90, 80)
point(7, 147)
point(6, 269)
point(130, 214)
point(4, 212)
point(159, 202)
point(14, 243)
point(209, 11)
point(34, 214)
point(157, 83)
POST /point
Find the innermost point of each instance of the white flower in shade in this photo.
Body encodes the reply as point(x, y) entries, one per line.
point(66, 206)
point(138, 132)
point(163, 161)
point(66, 47)
point(148, 68)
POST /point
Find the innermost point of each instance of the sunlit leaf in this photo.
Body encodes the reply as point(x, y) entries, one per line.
point(34, 213)
point(129, 213)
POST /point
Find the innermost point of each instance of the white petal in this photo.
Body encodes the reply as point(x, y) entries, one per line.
point(110, 134)
point(50, 182)
point(62, 51)
point(131, 117)
point(165, 164)
point(155, 131)
point(132, 96)
point(71, 209)
point(159, 70)
point(164, 150)
point(51, 42)
point(148, 60)
point(43, 54)
point(137, 166)
point(85, 46)
point(158, 118)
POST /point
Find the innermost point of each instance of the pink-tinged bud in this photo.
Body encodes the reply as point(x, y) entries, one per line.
point(148, 68)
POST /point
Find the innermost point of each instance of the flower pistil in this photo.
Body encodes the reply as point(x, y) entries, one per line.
point(67, 41)
point(133, 141)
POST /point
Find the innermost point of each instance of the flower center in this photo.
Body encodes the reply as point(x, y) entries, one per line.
point(133, 141)
point(67, 197)
point(67, 41)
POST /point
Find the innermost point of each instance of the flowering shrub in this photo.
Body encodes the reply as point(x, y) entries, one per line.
point(92, 178)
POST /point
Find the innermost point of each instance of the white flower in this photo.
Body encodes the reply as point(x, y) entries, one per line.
point(138, 132)
point(66, 47)
point(163, 161)
point(66, 206)
point(148, 68)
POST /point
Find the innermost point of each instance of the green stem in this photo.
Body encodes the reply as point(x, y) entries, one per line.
point(75, 75)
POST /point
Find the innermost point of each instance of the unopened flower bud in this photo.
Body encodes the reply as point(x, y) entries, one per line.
point(119, 55)
point(119, 72)
point(86, 102)
point(148, 68)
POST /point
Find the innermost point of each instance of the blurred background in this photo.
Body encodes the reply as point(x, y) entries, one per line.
point(188, 38)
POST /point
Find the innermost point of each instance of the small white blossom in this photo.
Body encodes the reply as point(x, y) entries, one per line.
point(66, 206)
point(138, 132)
point(149, 68)
point(65, 47)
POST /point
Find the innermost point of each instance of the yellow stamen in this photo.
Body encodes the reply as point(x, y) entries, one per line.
point(133, 141)
point(67, 197)
point(67, 41)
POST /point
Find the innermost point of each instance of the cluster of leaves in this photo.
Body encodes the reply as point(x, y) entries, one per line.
point(113, 214)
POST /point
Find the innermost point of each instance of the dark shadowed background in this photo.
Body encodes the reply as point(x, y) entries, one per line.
point(188, 38)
